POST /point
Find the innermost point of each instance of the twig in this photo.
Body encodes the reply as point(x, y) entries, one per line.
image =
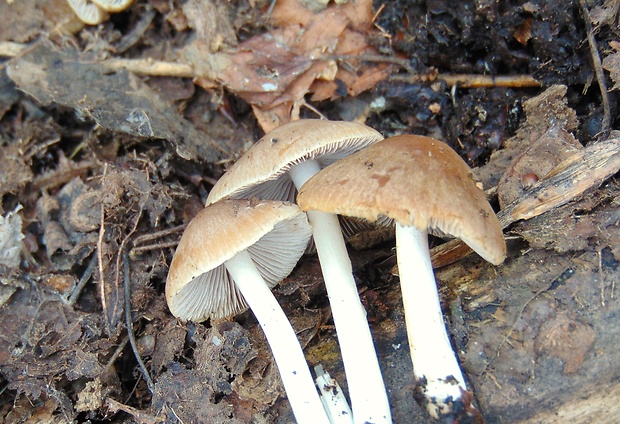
point(153, 236)
point(104, 302)
point(475, 81)
point(85, 277)
point(272, 6)
point(313, 109)
point(115, 355)
point(121, 251)
point(133, 253)
point(130, 333)
point(598, 68)
point(149, 67)
point(173, 411)
point(140, 416)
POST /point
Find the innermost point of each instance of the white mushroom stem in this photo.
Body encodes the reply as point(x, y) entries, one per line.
point(366, 388)
point(289, 357)
point(434, 362)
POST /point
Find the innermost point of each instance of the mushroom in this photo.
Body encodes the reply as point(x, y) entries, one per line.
point(421, 184)
point(229, 257)
point(88, 12)
point(272, 169)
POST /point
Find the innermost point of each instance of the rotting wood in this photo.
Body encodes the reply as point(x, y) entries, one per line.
point(583, 170)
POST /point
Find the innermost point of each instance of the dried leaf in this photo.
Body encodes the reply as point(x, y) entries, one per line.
point(274, 71)
point(612, 64)
point(10, 239)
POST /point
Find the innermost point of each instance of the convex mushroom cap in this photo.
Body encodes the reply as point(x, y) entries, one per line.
point(262, 170)
point(415, 180)
point(199, 287)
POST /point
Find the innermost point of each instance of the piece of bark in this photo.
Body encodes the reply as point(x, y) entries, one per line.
point(583, 170)
point(117, 100)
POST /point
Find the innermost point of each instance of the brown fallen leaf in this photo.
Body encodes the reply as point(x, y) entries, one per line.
point(611, 63)
point(274, 71)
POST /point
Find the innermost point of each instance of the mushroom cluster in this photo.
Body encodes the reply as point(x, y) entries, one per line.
point(275, 168)
point(251, 234)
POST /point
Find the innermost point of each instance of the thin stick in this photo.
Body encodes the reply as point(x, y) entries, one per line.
point(139, 416)
point(475, 81)
point(121, 250)
point(104, 302)
point(148, 237)
point(115, 355)
point(147, 67)
point(85, 277)
point(130, 333)
point(141, 249)
point(598, 68)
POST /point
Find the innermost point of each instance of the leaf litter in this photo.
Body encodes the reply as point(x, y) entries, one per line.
point(107, 163)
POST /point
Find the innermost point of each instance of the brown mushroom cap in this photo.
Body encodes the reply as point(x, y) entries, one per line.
point(199, 287)
point(417, 181)
point(262, 171)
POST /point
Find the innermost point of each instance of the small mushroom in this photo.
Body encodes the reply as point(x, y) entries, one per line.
point(272, 169)
point(421, 184)
point(229, 257)
point(88, 12)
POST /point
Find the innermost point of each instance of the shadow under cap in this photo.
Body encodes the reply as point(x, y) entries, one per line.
point(415, 180)
point(199, 287)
